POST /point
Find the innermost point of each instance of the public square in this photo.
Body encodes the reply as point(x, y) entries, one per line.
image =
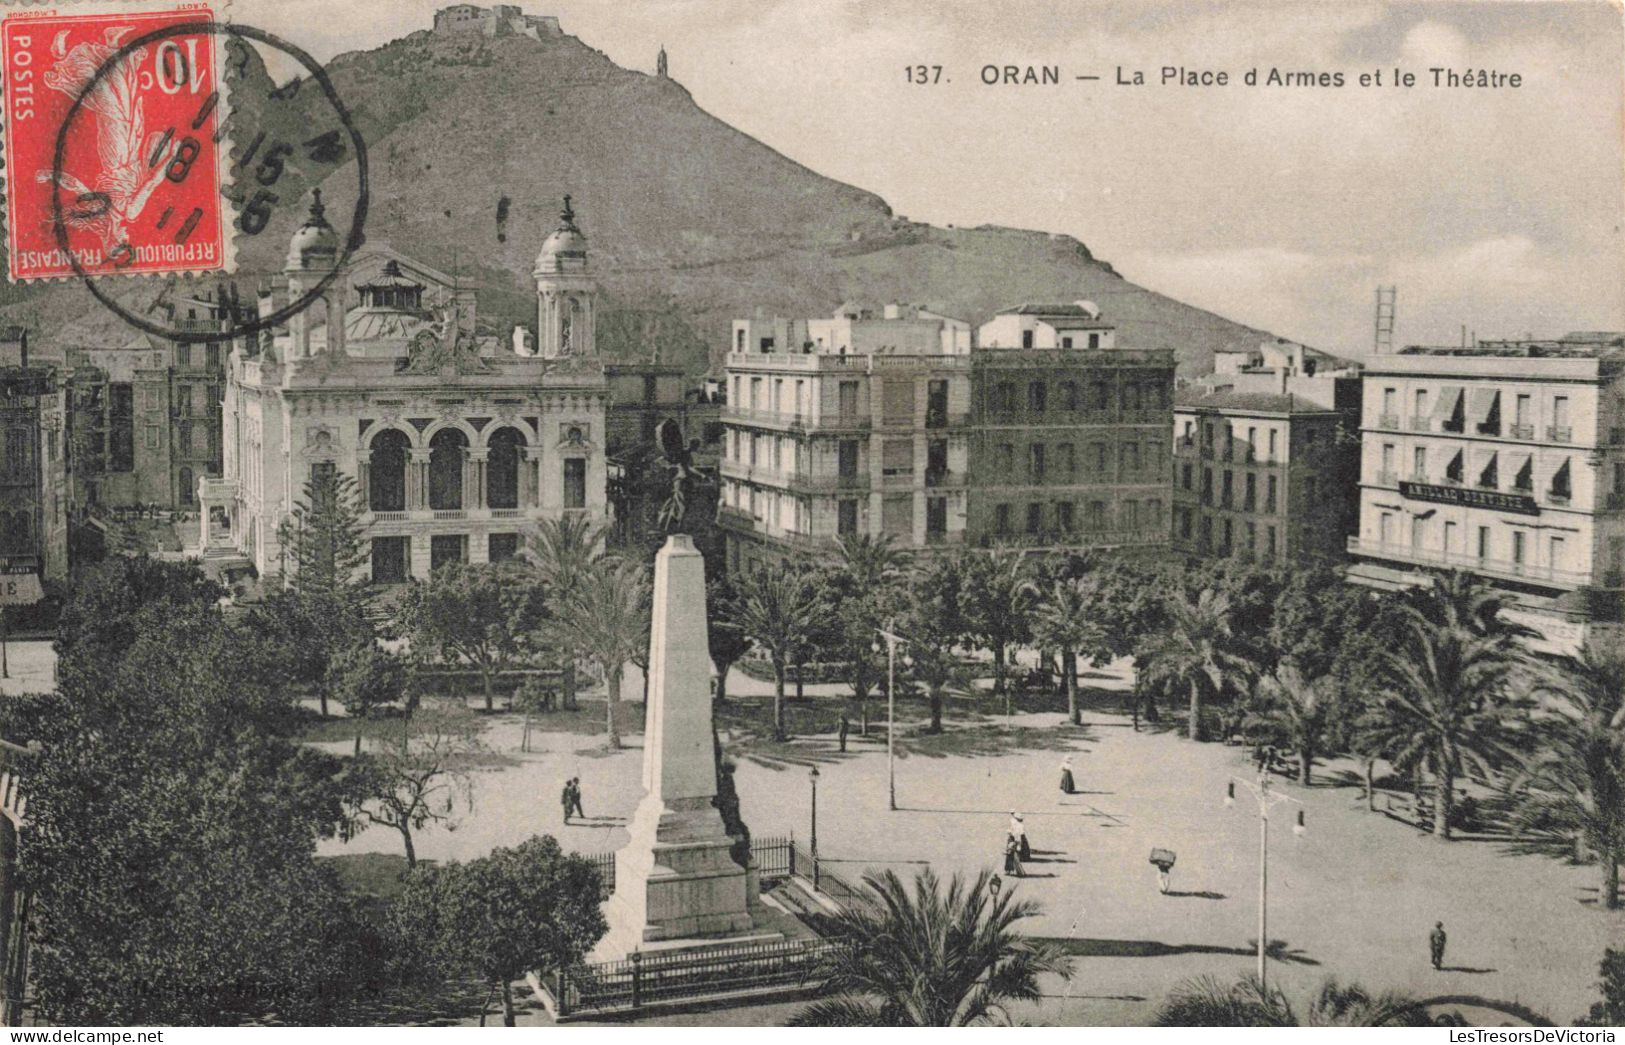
point(1354, 897)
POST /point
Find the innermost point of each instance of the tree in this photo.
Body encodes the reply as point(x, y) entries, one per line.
point(531, 908)
point(1572, 778)
point(929, 957)
point(1444, 706)
point(1610, 1012)
point(606, 618)
point(726, 639)
point(781, 604)
point(997, 606)
point(1206, 1002)
point(312, 630)
point(861, 581)
point(417, 782)
point(934, 626)
point(482, 613)
point(1298, 711)
point(1061, 620)
point(323, 541)
point(365, 678)
point(100, 619)
point(562, 551)
point(174, 820)
point(1198, 650)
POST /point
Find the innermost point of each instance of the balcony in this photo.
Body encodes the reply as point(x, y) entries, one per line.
point(1388, 421)
point(1387, 478)
point(937, 538)
point(936, 478)
point(829, 483)
point(1147, 417)
point(1075, 539)
point(1421, 424)
point(1521, 431)
point(1562, 499)
point(1497, 568)
point(765, 418)
point(1559, 434)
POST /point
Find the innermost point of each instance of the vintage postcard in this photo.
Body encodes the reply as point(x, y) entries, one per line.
point(832, 513)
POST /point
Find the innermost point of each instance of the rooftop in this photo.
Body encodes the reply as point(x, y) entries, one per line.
point(1584, 344)
point(1246, 402)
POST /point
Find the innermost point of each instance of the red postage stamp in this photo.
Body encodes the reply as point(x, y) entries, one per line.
point(114, 159)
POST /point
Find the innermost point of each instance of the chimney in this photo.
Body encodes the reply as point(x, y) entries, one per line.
point(1285, 375)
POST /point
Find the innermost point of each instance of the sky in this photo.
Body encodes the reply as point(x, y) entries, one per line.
point(1495, 209)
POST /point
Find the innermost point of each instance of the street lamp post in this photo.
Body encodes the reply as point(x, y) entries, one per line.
point(892, 641)
point(1266, 797)
point(812, 777)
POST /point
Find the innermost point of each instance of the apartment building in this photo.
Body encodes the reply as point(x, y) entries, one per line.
point(848, 425)
point(1069, 433)
point(1265, 475)
point(1508, 460)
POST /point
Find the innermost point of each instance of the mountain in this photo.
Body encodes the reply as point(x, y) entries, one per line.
point(471, 142)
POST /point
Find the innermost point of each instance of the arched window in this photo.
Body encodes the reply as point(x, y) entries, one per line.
point(386, 479)
point(502, 468)
point(446, 451)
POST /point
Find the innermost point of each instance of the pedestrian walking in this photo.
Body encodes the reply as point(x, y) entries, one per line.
point(567, 798)
point(1436, 940)
point(842, 730)
point(1018, 831)
point(575, 797)
point(1012, 857)
point(1066, 775)
point(1164, 861)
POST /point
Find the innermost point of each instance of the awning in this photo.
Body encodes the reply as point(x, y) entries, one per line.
point(1445, 408)
point(1523, 471)
point(1453, 469)
point(1480, 403)
point(1560, 480)
point(1484, 471)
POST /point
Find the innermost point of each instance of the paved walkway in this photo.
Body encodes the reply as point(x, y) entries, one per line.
point(1355, 896)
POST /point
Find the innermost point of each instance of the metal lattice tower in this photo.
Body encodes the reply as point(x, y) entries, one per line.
point(1383, 342)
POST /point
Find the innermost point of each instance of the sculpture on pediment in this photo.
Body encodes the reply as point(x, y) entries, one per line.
point(444, 347)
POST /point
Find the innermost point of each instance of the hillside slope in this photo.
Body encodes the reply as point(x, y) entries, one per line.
point(472, 141)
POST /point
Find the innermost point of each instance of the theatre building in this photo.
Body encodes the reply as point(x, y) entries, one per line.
point(458, 440)
point(1506, 460)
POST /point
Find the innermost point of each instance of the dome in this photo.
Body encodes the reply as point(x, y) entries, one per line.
point(565, 247)
point(315, 238)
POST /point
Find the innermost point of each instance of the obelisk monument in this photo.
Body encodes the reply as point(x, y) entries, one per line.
point(674, 879)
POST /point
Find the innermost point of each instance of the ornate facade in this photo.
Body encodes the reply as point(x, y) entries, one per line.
point(457, 442)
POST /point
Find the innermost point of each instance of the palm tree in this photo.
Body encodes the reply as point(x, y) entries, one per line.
point(1299, 709)
point(1443, 707)
point(925, 957)
point(1573, 781)
point(606, 618)
point(1458, 599)
point(863, 577)
point(780, 604)
point(1061, 620)
point(998, 604)
point(1205, 1002)
point(871, 563)
point(1198, 650)
point(561, 551)
point(935, 625)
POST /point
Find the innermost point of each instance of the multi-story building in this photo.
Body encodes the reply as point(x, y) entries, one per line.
point(34, 494)
point(1507, 460)
point(1266, 475)
point(456, 444)
point(849, 425)
point(1069, 433)
point(146, 414)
